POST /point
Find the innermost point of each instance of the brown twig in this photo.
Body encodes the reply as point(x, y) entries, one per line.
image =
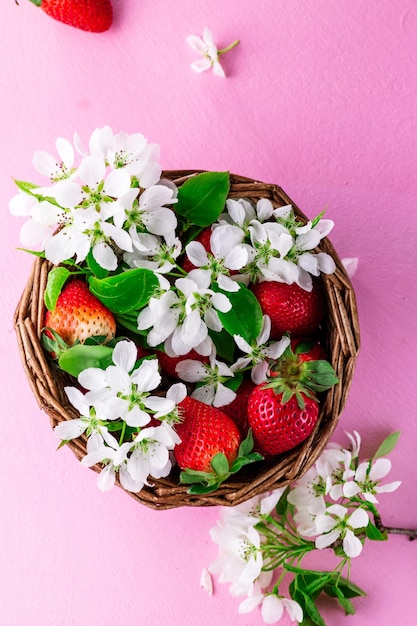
point(392, 530)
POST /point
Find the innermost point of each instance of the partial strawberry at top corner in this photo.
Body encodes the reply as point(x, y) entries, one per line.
point(291, 309)
point(79, 315)
point(95, 16)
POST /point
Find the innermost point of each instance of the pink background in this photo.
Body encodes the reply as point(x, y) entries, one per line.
point(320, 98)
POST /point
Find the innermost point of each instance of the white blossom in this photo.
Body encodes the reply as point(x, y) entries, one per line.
point(335, 523)
point(158, 254)
point(240, 557)
point(259, 352)
point(273, 608)
point(183, 314)
point(208, 50)
point(227, 254)
point(125, 390)
point(210, 378)
point(367, 478)
point(92, 421)
point(56, 169)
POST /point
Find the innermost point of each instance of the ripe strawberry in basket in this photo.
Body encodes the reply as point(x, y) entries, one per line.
point(238, 408)
point(210, 449)
point(283, 411)
point(77, 316)
point(291, 308)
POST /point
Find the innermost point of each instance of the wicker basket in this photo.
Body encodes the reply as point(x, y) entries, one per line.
point(341, 338)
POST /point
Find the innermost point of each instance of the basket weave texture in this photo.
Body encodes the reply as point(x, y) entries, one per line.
point(341, 338)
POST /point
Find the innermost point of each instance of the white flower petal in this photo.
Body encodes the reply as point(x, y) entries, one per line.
point(294, 610)
point(358, 519)
point(107, 478)
point(201, 65)
point(92, 170)
point(125, 355)
point(196, 253)
point(272, 609)
point(326, 263)
point(190, 370)
point(105, 256)
point(350, 265)
point(70, 429)
point(352, 546)
point(206, 582)
point(379, 469)
point(323, 541)
point(227, 284)
point(117, 183)
point(196, 43)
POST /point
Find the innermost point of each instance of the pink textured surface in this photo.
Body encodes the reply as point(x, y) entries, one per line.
point(319, 98)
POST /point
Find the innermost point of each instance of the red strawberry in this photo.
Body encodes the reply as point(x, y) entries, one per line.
point(141, 351)
point(291, 308)
point(78, 315)
point(169, 363)
point(205, 431)
point(279, 426)
point(95, 16)
point(283, 411)
point(203, 238)
point(238, 409)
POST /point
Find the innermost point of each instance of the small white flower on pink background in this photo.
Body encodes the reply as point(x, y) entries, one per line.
point(206, 47)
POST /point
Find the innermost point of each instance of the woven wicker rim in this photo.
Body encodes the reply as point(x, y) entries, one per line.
point(342, 340)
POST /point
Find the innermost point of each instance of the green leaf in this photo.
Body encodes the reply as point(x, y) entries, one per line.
point(245, 316)
point(202, 489)
point(225, 344)
point(235, 382)
point(56, 280)
point(80, 357)
point(130, 322)
point(344, 602)
point(25, 186)
point(319, 375)
point(247, 444)
point(372, 532)
point(349, 589)
point(202, 198)
point(387, 445)
point(38, 253)
point(314, 583)
point(241, 461)
point(220, 464)
point(312, 610)
point(189, 477)
point(128, 291)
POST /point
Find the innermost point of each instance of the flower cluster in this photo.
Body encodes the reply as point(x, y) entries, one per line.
point(264, 540)
point(174, 266)
point(95, 205)
point(119, 398)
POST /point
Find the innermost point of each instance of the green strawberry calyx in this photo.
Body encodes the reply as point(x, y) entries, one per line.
point(206, 482)
point(290, 376)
